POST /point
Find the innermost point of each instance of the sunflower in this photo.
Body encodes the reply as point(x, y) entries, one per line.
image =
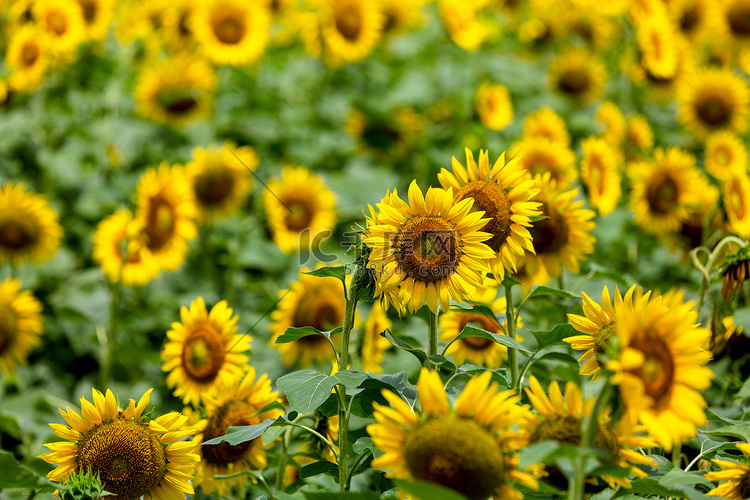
point(638, 134)
point(301, 209)
point(610, 116)
point(663, 88)
point(62, 21)
point(311, 301)
point(659, 369)
point(494, 106)
point(480, 351)
point(20, 324)
point(736, 271)
point(463, 22)
point(702, 217)
point(541, 156)
point(132, 455)
point(725, 155)
point(373, 345)
point(579, 75)
point(691, 17)
point(560, 420)
point(97, 16)
point(220, 177)
point(732, 19)
point(545, 124)
point(737, 475)
point(176, 91)
point(401, 15)
point(658, 49)
point(593, 27)
point(118, 234)
point(736, 195)
point(504, 195)
point(232, 31)
point(166, 213)
point(178, 26)
point(471, 448)
point(601, 174)
point(563, 239)
point(27, 57)
point(664, 189)
point(350, 29)
point(19, 12)
point(29, 230)
point(204, 351)
point(713, 99)
point(241, 401)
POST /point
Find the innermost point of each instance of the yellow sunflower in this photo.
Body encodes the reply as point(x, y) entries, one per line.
point(204, 351)
point(20, 324)
point(732, 20)
point(132, 455)
point(600, 173)
point(737, 475)
point(664, 189)
point(504, 194)
point(545, 124)
point(714, 99)
point(736, 195)
point(563, 239)
point(401, 15)
point(232, 31)
point(178, 26)
point(350, 29)
point(471, 448)
point(610, 116)
point(638, 135)
point(659, 369)
point(117, 235)
point(463, 22)
point(29, 230)
point(658, 49)
point(373, 345)
point(725, 155)
point(221, 177)
point(579, 75)
point(176, 91)
point(19, 12)
point(62, 22)
point(542, 156)
point(301, 209)
point(312, 301)
point(239, 402)
point(97, 16)
point(166, 212)
point(560, 420)
point(702, 219)
point(478, 350)
point(691, 17)
point(27, 57)
point(494, 106)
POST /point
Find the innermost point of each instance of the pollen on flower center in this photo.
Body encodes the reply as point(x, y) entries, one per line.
point(427, 249)
point(488, 196)
point(657, 371)
point(230, 414)
point(299, 216)
point(320, 313)
point(349, 21)
point(229, 29)
point(662, 194)
point(567, 430)
point(549, 235)
point(574, 82)
point(213, 187)
point(203, 355)
point(456, 453)
point(159, 223)
point(15, 235)
point(743, 486)
point(713, 110)
point(603, 336)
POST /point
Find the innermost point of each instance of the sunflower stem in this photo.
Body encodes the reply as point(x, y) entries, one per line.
point(510, 330)
point(343, 436)
point(677, 455)
point(110, 337)
point(432, 321)
point(283, 460)
point(589, 425)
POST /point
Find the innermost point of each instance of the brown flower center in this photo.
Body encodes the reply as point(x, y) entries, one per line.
point(567, 430)
point(714, 111)
point(323, 311)
point(89, 10)
point(574, 82)
point(229, 28)
point(232, 413)
point(603, 336)
point(489, 197)
point(348, 19)
point(657, 371)
point(739, 22)
point(427, 248)
point(690, 17)
point(549, 235)
point(203, 355)
point(662, 193)
point(737, 202)
point(16, 235)
point(478, 343)
point(300, 214)
point(160, 222)
point(743, 486)
point(214, 186)
point(177, 102)
point(57, 23)
point(29, 53)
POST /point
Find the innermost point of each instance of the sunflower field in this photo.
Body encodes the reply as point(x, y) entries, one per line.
point(374, 249)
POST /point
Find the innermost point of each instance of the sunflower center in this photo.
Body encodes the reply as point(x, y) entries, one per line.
point(662, 194)
point(89, 10)
point(126, 454)
point(737, 202)
point(567, 430)
point(183, 27)
point(299, 216)
point(456, 453)
point(493, 200)
point(689, 18)
point(203, 355)
point(320, 311)
point(177, 102)
point(743, 486)
point(159, 222)
point(7, 327)
point(713, 111)
point(427, 248)
point(574, 82)
point(214, 186)
point(29, 54)
point(657, 371)
point(549, 235)
point(229, 414)
point(739, 21)
point(229, 28)
point(57, 23)
point(478, 343)
point(348, 18)
point(391, 20)
point(692, 230)
point(603, 336)
point(723, 155)
point(15, 235)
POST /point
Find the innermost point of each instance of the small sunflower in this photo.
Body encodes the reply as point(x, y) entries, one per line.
point(239, 402)
point(504, 195)
point(166, 212)
point(725, 155)
point(62, 22)
point(691, 17)
point(97, 16)
point(20, 324)
point(564, 237)
point(204, 351)
point(29, 230)
point(178, 26)
point(732, 17)
point(659, 369)
point(560, 420)
point(736, 474)
point(463, 22)
point(471, 448)
point(373, 345)
point(638, 135)
point(600, 173)
point(658, 48)
point(27, 57)
point(494, 106)
point(545, 124)
point(220, 177)
point(736, 195)
point(176, 91)
point(541, 156)
point(350, 29)
point(736, 271)
point(714, 99)
point(401, 15)
point(579, 75)
point(132, 455)
point(301, 209)
point(232, 31)
point(117, 235)
point(610, 116)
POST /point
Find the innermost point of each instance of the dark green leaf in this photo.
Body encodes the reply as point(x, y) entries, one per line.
point(349, 378)
point(555, 336)
point(364, 444)
point(475, 308)
point(471, 330)
point(306, 389)
point(244, 433)
point(418, 353)
point(546, 291)
point(740, 431)
point(536, 453)
point(16, 475)
point(498, 375)
point(423, 490)
point(322, 467)
point(295, 333)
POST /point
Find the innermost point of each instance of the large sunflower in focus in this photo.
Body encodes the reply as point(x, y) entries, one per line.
point(232, 31)
point(29, 230)
point(736, 474)
point(578, 75)
point(659, 369)
point(504, 194)
point(714, 99)
point(601, 174)
point(471, 448)
point(133, 456)
point(20, 324)
point(541, 156)
point(204, 351)
point(239, 402)
point(27, 57)
point(350, 29)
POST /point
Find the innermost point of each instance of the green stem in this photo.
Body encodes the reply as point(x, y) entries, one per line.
point(108, 347)
point(343, 436)
point(283, 460)
point(351, 307)
point(432, 320)
point(677, 455)
point(510, 330)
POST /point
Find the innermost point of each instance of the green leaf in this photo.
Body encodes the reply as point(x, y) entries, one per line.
point(364, 444)
point(475, 308)
point(424, 490)
point(16, 475)
point(297, 332)
point(555, 336)
point(725, 420)
point(740, 431)
point(243, 433)
point(306, 390)
point(349, 378)
point(322, 467)
point(338, 272)
point(508, 281)
point(536, 453)
point(418, 353)
point(498, 375)
point(678, 476)
point(546, 291)
point(471, 330)
point(745, 390)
